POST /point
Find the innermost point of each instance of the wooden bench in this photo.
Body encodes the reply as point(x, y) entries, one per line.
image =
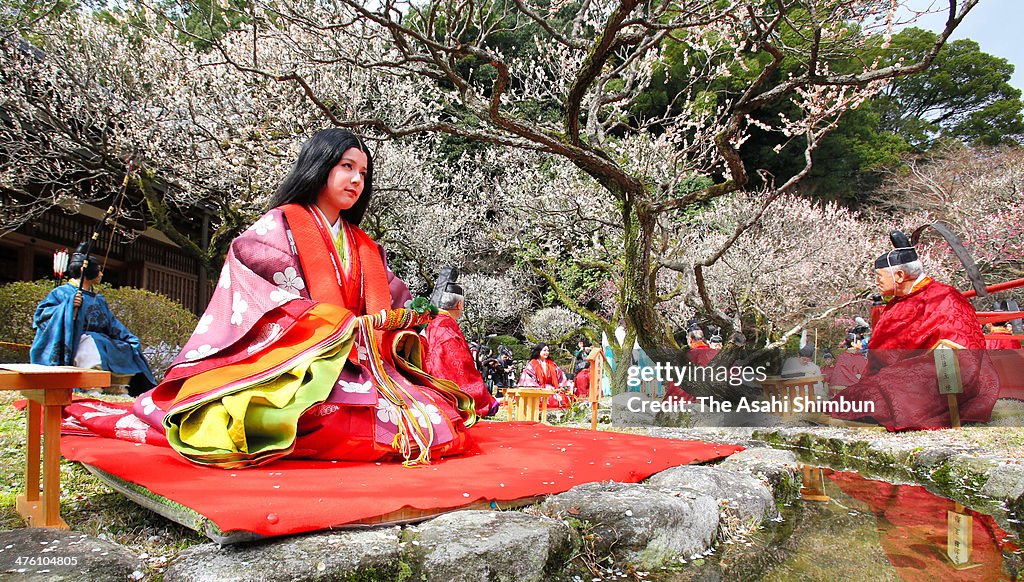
point(48, 389)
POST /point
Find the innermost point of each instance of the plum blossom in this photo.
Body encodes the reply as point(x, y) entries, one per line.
point(200, 352)
point(387, 412)
point(431, 413)
point(204, 324)
point(225, 277)
point(281, 296)
point(238, 307)
point(100, 410)
point(131, 428)
point(356, 387)
point(264, 225)
point(148, 406)
point(289, 280)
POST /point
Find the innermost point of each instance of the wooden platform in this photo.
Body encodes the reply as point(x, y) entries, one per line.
point(48, 389)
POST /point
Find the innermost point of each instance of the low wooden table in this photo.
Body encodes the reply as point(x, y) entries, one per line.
point(48, 389)
point(788, 389)
point(531, 404)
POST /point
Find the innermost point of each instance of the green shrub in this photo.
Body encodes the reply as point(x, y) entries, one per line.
point(18, 303)
point(520, 351)
point(163, 325)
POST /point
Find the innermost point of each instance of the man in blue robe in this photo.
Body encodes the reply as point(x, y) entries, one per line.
point(75, 327)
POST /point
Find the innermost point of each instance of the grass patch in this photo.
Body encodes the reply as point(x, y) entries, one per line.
point(87, 505)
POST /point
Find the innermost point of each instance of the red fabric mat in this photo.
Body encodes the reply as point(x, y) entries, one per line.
point(512, 461)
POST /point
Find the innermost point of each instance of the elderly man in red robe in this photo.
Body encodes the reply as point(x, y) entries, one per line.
point(900, 380)
point(447, 352)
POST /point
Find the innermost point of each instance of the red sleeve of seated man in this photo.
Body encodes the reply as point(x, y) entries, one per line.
point(448, 357)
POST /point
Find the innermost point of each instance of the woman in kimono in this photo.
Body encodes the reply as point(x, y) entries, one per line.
point(542, 372)
point(307, 348)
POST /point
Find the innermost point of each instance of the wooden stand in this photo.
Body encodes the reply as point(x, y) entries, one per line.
point(786, 391)
point(813, 488)
point(947, 370)
point(531, 404)
point(48, 389)
point(596, 357)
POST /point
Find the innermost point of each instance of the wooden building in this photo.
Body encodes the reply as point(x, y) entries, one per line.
point(148, 261)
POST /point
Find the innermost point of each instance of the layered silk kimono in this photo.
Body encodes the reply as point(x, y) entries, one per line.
point(286, 362)
point(547, 374)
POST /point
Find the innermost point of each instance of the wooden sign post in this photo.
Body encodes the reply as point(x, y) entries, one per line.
point(960, 538)
point(596, 359)
point(947, 368)
point(813, 488)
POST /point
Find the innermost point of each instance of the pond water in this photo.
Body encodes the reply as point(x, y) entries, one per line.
point(867, 530)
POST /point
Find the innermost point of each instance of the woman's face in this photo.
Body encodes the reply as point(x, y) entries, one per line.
point(344, 184)
point(544, 353)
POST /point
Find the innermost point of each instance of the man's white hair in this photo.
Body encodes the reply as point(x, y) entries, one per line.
point(451, 300)
point(912, 268)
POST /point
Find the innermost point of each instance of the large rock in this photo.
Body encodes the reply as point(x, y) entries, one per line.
point(367, 554)
point(638, 523)
point(1005, 482)
point(778, 468)
point(467, 546)
point(742, 497)
point(31, 554)
point(634, 409)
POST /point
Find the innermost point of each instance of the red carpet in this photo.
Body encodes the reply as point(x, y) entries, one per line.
point(513, 461)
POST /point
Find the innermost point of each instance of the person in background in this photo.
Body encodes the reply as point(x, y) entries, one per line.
point(802, 365)
point(828, 361)
point(447, 354)
point(543, 372)
point(75, 326)
point(921, 314)
point(700, 353)
point(1002, 328)
point(580, 356)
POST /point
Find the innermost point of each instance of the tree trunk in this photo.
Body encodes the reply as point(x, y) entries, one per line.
point(638, 295)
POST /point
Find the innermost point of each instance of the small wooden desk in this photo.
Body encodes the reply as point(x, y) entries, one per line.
point(48, 389)
point(531, 404)
point(788, 389)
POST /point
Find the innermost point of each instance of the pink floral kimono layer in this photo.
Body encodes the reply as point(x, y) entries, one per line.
point(286, 362)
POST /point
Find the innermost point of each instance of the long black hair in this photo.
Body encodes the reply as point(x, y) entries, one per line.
point(535, 352)
point(308, 176)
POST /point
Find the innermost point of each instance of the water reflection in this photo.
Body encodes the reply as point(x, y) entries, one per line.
point(867, 530)
point(926, 537)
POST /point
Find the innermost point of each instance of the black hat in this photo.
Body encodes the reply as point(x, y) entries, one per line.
point(901, 254)
point(715, 338)
point(807, 351)
point(828, 354)
point(78, 258)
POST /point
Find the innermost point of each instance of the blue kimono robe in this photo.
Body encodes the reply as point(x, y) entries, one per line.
point(58, 334)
